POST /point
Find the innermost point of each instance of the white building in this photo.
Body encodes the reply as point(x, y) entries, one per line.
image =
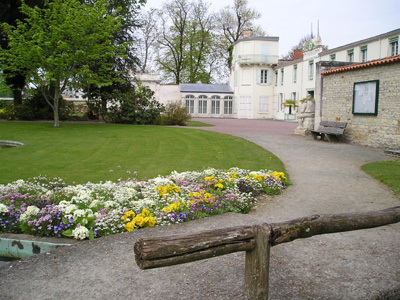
point(252, 76)
point(295, 79)
point(260, 83)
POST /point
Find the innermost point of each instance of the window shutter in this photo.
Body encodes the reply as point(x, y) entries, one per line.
point(364, 48)
point(350, 51)
point(258, 76)
point(394, 40)
point(269, 78)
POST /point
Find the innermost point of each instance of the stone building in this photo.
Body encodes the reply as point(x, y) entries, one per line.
point(367, 97)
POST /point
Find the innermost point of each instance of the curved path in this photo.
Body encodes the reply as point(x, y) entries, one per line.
point(326, 178)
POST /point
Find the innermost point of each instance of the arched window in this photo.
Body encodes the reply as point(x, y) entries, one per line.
point(228, 105)
point(202, 104)
point(215, 105)
point(189, 103)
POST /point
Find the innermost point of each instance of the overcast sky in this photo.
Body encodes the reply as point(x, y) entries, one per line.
point(340, 21)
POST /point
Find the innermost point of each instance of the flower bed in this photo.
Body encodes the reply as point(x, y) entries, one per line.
point(49, 207)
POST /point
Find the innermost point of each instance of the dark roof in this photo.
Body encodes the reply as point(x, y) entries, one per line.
point(384, 61)
point(205, 88)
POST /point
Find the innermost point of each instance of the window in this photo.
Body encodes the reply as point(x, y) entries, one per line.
point(282, 75)
point(294, 73)
point(215, 105)
point(364, 53)
point(394, 46)
point(365, 97)
point(190, 104)
point(202, 104)
point(350, 55)
point(228, 104)
point(333, 57)
point(263, 104)
point(276, 78)
point(294, 96)
point(311, 70)
point(262, 76)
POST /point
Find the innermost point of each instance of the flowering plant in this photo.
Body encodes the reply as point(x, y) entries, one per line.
point(46, 207)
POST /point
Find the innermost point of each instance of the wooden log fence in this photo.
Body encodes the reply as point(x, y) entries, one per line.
point(256, 240)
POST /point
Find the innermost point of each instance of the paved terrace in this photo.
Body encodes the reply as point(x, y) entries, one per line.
point(326, 178)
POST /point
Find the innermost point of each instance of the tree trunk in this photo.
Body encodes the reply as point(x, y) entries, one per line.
point(17, 94)
point(56, 101)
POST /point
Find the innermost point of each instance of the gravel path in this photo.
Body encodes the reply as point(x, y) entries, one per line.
point(326, 178)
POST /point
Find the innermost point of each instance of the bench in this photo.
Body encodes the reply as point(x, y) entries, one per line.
point(331, 130)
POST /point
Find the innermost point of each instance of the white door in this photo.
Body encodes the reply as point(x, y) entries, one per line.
point(245, 107)
point(275, 105)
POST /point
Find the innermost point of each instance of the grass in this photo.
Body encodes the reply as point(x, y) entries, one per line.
point(387, 172)
point(87, 152)
point(198, 124)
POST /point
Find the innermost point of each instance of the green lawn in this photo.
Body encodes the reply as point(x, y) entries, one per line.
point(388, 172)
point(87, 152)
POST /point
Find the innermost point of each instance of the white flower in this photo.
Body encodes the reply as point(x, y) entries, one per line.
point(80, 233)
point(110, 204)
point(209, 172)
point(79, 213)
point(69, 208)
point(30, 211)
point(89, 213)
point(3, 208)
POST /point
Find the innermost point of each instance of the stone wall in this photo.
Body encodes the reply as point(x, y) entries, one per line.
point(380, 131)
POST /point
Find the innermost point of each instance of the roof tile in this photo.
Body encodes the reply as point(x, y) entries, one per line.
point(383, 61)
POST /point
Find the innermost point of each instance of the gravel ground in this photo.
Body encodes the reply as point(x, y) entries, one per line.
point(326, 178)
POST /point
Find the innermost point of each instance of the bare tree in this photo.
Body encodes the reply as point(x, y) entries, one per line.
point(171, 53)
point(301, 45)
point(233, 20)
point(148, 36)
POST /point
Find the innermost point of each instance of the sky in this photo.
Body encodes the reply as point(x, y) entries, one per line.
point(340, 21)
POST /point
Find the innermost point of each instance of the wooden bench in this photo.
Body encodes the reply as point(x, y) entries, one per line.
point(331, 130)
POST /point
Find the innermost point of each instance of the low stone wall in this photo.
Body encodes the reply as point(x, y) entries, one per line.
point(380, 131)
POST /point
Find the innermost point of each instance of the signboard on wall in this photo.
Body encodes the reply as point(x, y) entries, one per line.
point(365, 97)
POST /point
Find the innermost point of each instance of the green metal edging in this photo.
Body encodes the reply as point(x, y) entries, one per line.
point(14, 248)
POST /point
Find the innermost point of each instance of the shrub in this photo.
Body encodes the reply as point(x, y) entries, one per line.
point(35, 107)
point(137, 108)
point(175, 114)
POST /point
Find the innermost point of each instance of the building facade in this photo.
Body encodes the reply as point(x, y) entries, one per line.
point(252, 76)
point(367, 97)
point(260, 83)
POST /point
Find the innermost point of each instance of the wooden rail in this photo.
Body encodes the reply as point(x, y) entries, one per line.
point(255, 240)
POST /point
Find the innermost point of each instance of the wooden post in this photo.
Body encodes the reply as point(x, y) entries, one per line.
point(257, 265)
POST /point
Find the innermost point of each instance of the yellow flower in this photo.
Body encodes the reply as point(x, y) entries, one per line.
point(151, 221)
point(139, 221)
point(278, 175)
point(219, 186)
point(145, 212)
point(167, 189)
point(176, 206)
point(130, 226)
point(128, 216)
point(258, 177)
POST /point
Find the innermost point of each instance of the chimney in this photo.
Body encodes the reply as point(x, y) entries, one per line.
point(297, 54)
point(247, 33)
